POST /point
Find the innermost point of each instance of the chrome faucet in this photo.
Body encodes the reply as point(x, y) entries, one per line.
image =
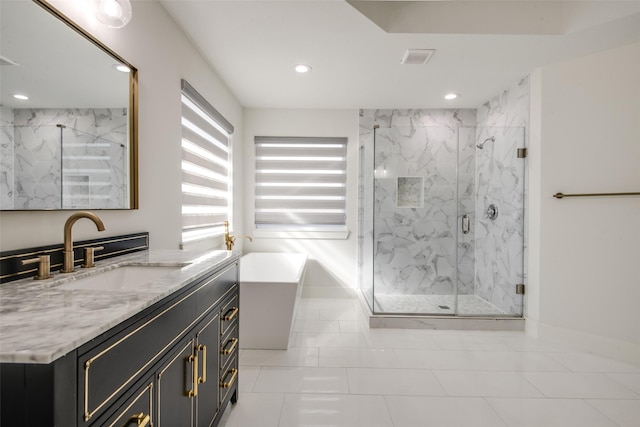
point(230, 240)
point(67, 266)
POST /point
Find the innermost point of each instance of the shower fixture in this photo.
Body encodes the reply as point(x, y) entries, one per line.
point(492, 212)
point(481, 145)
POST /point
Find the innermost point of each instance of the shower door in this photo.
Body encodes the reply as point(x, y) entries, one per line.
point(491, 249)
point(414, 237)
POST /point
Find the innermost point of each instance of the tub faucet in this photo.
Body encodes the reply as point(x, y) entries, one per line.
point(67, 266)
point(230, 240)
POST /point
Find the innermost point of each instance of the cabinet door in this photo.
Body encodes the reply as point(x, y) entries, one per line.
point(208, 351)
point(177, 387)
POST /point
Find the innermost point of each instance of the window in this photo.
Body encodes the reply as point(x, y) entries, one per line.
point(206, 167)
point(300, 183)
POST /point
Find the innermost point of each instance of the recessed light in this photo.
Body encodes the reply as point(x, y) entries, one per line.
point(451, 96)
point(301, 68)
point(20, 96)
point(121, 67)
point(113, 13)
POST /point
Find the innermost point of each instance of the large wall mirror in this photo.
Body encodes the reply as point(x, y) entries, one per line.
point(73, 143)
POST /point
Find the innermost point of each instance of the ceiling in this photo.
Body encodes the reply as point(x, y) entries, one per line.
point(78, 74)
point(355, 48)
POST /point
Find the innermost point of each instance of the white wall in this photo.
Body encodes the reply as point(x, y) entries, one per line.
point(332, 262)
point(163, 55)
point(585, 138)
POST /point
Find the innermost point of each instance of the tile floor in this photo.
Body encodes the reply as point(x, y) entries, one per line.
point(338, 372)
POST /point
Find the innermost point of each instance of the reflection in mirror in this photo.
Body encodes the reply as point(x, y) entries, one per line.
point(72, 143)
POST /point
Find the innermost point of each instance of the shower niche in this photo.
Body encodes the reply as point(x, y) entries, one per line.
point(410, 192)
point(426, 245)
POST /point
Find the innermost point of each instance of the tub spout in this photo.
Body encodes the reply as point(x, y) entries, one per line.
point(230, 240)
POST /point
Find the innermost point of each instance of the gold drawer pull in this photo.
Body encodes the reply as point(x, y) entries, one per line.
point(203, 378)
point(228, 384)
point(141, 419)
point(194, 361)
point(227, 351)
point(229, 315)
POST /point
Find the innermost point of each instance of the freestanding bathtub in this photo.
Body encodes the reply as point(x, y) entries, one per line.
point(270, 289)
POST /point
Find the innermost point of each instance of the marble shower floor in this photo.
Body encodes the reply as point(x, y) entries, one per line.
point(435, 304)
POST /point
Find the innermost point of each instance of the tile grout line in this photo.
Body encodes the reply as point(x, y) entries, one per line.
point(586, 401)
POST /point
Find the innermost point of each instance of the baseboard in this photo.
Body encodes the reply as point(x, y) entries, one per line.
point(604, 346)
point(328, 292)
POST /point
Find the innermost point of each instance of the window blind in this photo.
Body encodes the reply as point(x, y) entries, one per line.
point(206, 170)
point(300, 183)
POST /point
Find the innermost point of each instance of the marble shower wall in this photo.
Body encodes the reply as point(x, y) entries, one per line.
point(92, 161)
point(499, 244)
point(414, 248)
point(6, 158)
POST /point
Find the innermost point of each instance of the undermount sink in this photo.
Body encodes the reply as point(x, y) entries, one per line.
point(124, 278)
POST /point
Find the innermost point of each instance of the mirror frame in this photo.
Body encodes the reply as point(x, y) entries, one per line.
point(133, 109)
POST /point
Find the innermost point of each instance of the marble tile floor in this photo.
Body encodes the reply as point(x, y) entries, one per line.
point(435, 304)
point(338, 372)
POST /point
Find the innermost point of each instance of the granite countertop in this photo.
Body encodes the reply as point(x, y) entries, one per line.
point(41, 322)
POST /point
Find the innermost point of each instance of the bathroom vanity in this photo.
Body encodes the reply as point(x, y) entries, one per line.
point(164, 353)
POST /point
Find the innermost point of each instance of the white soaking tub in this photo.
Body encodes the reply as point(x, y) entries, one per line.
point(270, 289)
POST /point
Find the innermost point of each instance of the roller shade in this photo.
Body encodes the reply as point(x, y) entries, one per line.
point(300, 183)
point(206, 200)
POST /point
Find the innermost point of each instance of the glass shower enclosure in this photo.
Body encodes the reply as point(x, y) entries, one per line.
point(441, 220)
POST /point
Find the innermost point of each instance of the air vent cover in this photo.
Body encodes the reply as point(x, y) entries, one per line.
point(417, 56)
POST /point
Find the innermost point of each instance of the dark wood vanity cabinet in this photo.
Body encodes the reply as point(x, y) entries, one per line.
point(174, 364)
point(201, 398)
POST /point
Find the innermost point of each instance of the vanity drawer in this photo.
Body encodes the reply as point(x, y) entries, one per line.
point(229, 315)
point(229, 379)
point(229, 347)
point(137, 410)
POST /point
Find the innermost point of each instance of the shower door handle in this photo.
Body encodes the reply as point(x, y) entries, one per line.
point(466, 224)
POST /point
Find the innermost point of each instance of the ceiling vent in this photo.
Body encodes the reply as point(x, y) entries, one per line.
point(7, 61)
point(417, 56)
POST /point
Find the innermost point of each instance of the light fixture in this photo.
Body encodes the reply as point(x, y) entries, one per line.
point(122, 68)
point(451, 96)
point(20, 96)
point(113, 13)
point(301, 68)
